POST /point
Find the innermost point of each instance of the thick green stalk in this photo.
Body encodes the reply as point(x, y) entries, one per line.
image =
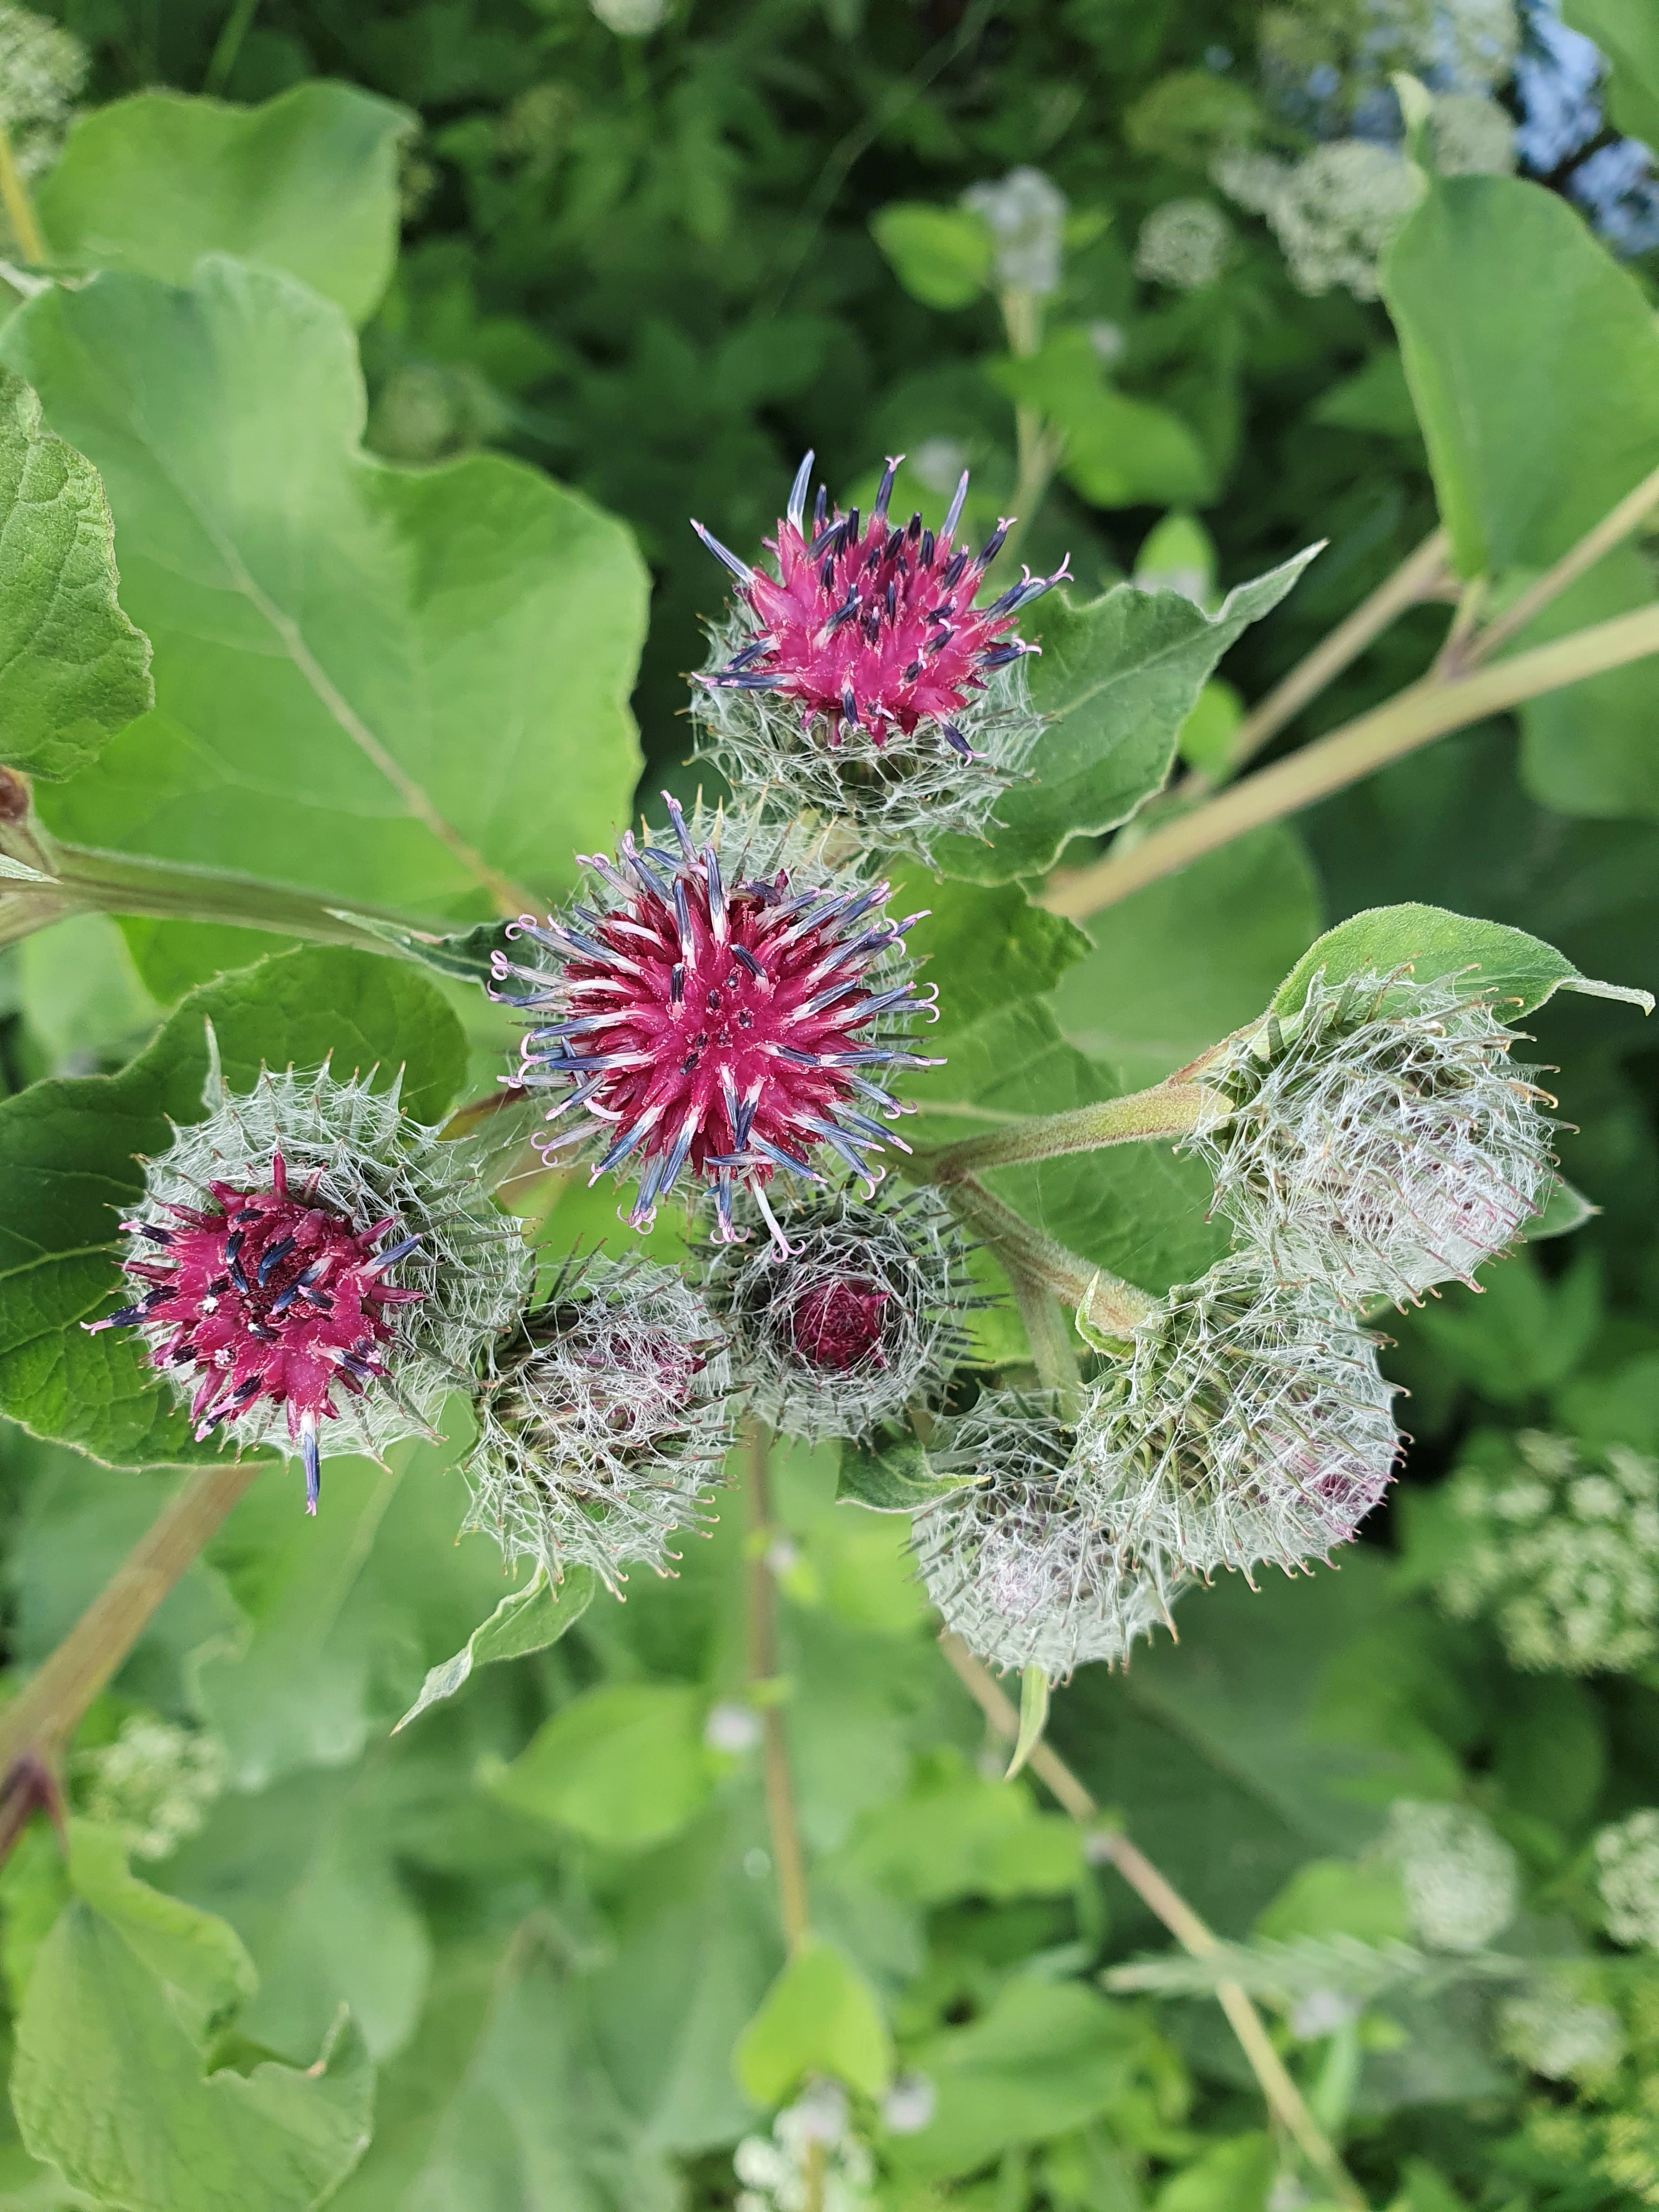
point(1166, 1110)
point(1106, 1304)
point(1427, 710)
point(20, 208)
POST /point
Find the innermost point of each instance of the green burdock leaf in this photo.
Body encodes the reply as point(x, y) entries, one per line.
point(397, 688)
point(1627, 32)
point(307, 183)
point(623, 1766)
point(111, 2084)
point(73, 670)
point(69, 1162)
point(820, 2016)
point(1521, 971)
point(528, 1620)
point(1116, 680)
point(1534, 362)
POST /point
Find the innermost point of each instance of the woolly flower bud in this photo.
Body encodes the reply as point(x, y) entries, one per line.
point(1249, 1421)
point(1561, 1551)
point(718, 1010)
point(154, 1785)
point(1559, 2036)
point(602, 1425)
point(859, 1321)
point(1627, 1875)
point(1183, 244)
point(1333, 213)
point(1026, 214)
point(1378, 1140)
point(1461, 1879)
point(862, 683)
point(1026, 1562)
point(316, 1265)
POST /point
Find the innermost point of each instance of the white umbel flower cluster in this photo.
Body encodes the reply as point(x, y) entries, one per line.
point(1379, 1138)
point(1561, 2037)
point(1627, 1875)
point(775, 2171)
point(1333, 213)
point(1183, 244)
point(1461, 1880)
point(42, 69)
point(603, 1425)
point(1561, 1551)
point(155, 1784)
point(1026, 213)
point(860, 1320)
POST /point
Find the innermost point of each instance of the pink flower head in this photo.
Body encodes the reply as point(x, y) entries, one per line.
point(724, 1028)
point(273, 1297)
point(873, 626)
point(838, 1322)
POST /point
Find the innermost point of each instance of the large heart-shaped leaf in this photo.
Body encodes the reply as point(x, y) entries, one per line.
point(308, 183)
point(408, 688)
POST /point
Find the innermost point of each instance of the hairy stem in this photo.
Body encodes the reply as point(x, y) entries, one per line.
point(1285, 2100)
point(1053, 1350)
point(51, 1705)
point(1413, 581)
point(787, 1856)
point(1388, 733)
point(1107, 1303)
point(1166, 1110)
point(20, 208)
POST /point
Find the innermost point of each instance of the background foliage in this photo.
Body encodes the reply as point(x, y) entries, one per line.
point(401, 385)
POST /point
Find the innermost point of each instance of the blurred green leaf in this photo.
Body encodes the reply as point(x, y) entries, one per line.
point(1231, 2176)
point(941, 255)
point(1117, 451)
point(1333, 1897)
point(1522, 1332)
point(623, 1766)
point(308, 183)
point(81, 993)
point(1521, 971)
point(68, 1163)
point(1588, 750)
point(1117, 679)
point(820, 2016)
point(395, 687)
point(955, 1834)
point(1046, 2058)
point(1184, 963)
point(888, 1477)
point(527, 1620)
point(73, 670)
point(1627, 33)
point(109, 2082)
point(1533, 361)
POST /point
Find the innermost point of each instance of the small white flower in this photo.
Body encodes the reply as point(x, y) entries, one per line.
point(154, 1783)
point(1333, 212)
point(731, 1727)
point(1461, 1880)
point(910, 2105)
point(630, 19)
point(1183, 244)
point(1560, 2038)
point(1627, 1874)
point(1026, 213)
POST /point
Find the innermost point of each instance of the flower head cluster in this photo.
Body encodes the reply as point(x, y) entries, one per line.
point(775, 2174)
point(1026, 214)
point(862, 681)
point(603, 1423)
point(1561, 1549)
point(154, 1783)
point(1560, 2035)
point(1183, 244)
point(1028, 1562)
point(858, 1321)
point(1249, 1422)
point(1379, 1139)
point(1461, 1880)
point(718, 1009)
point(1627, 1875)
point(316, 1268)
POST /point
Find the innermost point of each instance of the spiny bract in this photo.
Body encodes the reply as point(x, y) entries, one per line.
point(1249, 1422)
point(861, 683)
point(1026, 1561)
point(719, 1009)
point(603, 1425)
point(1379, 1138)
point(269, 1237)
point(861, 1318)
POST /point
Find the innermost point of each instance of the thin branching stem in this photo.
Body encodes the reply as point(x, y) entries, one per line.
point(1613, 529)
point(1427, 710)
point(1285, 2100)
point(787, 1856)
